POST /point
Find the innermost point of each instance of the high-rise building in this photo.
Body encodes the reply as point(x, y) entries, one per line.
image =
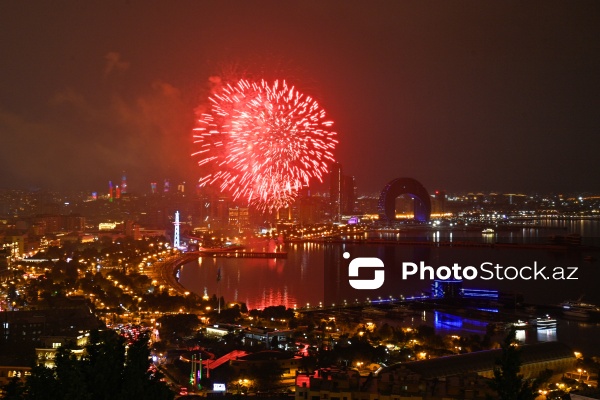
point(153, 187)
point(123, 183)
point(348, 198)
point(48, 223)
point(239, 216)
point(73, 222)
point(110, 191)
point(166, 186)
point(221, 212)
point(132, 229)
point(438, 202)
point(335, 191)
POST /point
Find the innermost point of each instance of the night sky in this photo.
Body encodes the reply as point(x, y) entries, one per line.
point(462, 96)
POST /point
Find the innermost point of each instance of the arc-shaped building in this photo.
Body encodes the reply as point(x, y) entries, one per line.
point(398, 187)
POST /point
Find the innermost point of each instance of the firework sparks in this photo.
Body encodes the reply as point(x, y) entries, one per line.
point(263, 142)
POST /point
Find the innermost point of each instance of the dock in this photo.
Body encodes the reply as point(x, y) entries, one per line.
point(242, 254)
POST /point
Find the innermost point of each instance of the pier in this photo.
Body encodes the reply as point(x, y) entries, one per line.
point(242, 254)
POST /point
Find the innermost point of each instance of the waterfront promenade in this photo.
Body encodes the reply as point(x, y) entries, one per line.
point(164, 272)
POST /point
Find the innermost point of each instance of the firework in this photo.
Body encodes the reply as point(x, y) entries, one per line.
point(263, 142)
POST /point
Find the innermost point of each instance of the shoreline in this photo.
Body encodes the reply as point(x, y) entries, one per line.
point(464, 243)
point(165, 272)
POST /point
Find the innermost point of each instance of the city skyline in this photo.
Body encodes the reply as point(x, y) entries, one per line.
point(466, 96)
point(295, 200)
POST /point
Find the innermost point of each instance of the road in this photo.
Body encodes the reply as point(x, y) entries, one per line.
point(164, 272)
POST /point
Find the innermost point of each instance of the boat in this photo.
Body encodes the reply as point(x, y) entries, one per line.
point(519, 324)
point(400, 311)
point(373, 311)
point(546, 322)
point(578, 309)
point(488, 231)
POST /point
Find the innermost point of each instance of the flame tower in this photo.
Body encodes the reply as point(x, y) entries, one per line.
point(123, 183)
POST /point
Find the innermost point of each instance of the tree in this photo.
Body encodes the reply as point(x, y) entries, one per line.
point(106, 371)
point(103, 364)
point(13, 390)
point(385, 332)
point(138, 382)
point(42, 384)
point(267, 375)
point(70, 376)
point(177, 326)
point(507, 382)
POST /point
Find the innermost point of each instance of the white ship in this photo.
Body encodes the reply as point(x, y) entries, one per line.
point(578, 309)
point(543, 323)
point(518, 325)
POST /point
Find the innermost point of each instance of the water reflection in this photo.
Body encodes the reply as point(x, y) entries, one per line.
point(457, 324)
point(299, 279)
point(547, 335)
point(257, 282)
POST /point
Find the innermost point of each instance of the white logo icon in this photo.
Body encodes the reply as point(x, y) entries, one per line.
point(365, 262)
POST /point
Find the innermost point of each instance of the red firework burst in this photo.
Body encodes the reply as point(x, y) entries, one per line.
point(263, 142)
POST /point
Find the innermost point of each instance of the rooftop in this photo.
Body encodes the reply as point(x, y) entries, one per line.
point(480, 361)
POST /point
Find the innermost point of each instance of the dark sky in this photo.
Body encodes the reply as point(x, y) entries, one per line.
point(479, 95)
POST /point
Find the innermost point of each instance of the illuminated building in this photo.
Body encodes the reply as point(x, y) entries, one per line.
point(132, 229)
point(46, 352)
point(72, 223)
point(47, 223)
point(153, 187)
point(23, 331)
point(288, 363)
point(267, 336)
point(107, 226)
point(221, 217)
point(335, 191)
point(463, 376)
point(438, 204)
point(535, 358)
point(367, 204)
point(398, 187)
point(124, 183)
point(446, 289)
point(310, 209)
point(166, 186)
point(452, 289)
point(516, 199)
point(15, 243)
point(348, 196)
point(239, 216)
point(110, 191)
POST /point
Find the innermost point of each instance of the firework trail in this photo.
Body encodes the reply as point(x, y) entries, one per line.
point(263, 142)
